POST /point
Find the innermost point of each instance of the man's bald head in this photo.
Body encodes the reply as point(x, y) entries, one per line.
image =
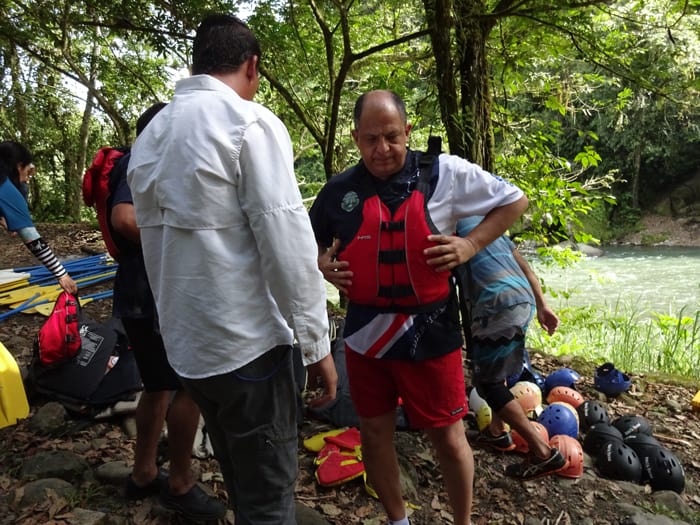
point(377, 99)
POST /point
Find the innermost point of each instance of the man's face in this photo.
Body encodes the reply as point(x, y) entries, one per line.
point(381, 137)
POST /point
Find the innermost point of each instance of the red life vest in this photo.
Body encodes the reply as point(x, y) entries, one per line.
point(386, 256)
point(96, 191)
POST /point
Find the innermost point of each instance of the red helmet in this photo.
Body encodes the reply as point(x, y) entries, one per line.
point(571, 449)
point(565, 394)
point(520, 444)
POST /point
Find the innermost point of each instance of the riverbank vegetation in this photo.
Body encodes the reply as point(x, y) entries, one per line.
point(635, 340)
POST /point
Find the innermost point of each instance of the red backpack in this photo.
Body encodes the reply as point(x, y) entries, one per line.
point(59, 337)
point(96, 190)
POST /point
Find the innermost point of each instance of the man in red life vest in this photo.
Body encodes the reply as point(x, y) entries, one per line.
point(385, 230)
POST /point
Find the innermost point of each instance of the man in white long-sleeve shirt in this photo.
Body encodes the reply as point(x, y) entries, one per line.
point(231, 258)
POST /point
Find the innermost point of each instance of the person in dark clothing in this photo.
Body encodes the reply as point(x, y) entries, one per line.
point(164, 400)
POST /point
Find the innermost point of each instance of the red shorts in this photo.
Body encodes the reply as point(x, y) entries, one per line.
point(432, 390)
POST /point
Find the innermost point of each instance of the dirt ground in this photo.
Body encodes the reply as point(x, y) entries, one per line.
point(590, 499)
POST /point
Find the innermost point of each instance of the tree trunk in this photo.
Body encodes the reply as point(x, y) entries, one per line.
point(81, 161)
point(463, 75)
point(438, 14)
point(637, 166)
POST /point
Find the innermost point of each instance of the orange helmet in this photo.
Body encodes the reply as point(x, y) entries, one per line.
point(571, 449)
point(529, 396)
point(521, 445)
point(565, 394)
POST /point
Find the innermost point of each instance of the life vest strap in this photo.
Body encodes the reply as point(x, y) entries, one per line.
point(396, 292)
point(393, 226)
point(392, 256)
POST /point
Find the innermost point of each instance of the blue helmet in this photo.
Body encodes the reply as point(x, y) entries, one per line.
point(528, 373)
point(562, 377)
point(558, 419)
point(610, 381)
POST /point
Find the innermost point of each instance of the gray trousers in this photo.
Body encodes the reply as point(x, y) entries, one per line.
point(250, 415)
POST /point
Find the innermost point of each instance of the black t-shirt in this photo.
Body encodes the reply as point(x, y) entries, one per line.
point(133, 297)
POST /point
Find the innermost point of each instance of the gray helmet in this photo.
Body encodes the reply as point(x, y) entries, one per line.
point(631, 424)
point(591, 412)
point(662, 470)
point(642, 443)
point(618, 461)
point(598, 435)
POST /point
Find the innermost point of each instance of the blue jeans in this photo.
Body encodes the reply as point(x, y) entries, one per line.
point(250, 415)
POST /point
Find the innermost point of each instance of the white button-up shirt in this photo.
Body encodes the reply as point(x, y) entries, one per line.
point(228, 245)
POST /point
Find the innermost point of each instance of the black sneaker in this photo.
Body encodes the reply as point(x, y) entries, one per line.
point(484, 439)
point(533, 468)
point(195, 504)
point(133, 491)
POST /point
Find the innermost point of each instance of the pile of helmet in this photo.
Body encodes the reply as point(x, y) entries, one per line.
point(625, 449)
point(557, 419)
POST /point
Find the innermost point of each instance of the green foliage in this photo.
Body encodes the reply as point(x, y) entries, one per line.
point(632, 339)
point(588, 103)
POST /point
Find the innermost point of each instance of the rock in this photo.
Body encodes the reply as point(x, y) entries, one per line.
point(129, 426)
point(638, 516)
point(113, 473)
point(49, 419)
point(674, 405)
point(585, 249)
point(37, 491)
point(55, 464)
point(308, 516)
point(673, 501)
point(86, 517)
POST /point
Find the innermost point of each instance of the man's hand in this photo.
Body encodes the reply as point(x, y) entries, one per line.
point(450, 252)
point(548, 319)
point(335, 272)
point(324, 373)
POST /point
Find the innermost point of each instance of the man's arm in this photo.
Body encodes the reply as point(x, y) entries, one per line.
point(545, 315)
point(494, 224)
point(123, 218)
point(452, 251)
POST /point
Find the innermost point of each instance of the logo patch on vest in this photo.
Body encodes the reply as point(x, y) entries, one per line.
point(350, 201)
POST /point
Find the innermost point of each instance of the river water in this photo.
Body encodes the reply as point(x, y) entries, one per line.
point(658, 279)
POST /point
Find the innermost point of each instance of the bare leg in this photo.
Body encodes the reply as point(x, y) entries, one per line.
point(150, 416)
point(182, 418)
point(513, 414)
point(381, 463)
point(457, 465)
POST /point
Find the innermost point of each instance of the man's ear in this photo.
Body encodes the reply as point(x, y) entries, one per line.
point(354, 135)
point(252, 67)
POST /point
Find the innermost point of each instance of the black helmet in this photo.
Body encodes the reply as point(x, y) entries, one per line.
point(662, 470)
point(598, 435)
point(591, 412)
point(630, 424)
point(618, 461)
point(642, 444)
